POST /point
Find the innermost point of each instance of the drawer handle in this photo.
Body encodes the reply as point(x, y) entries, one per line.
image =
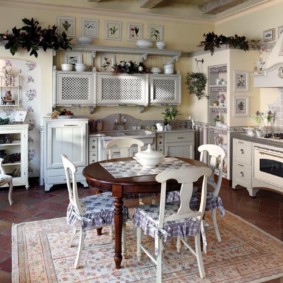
point(93, 146)
point(242, 174)
point(242, 151)
point(180, 138)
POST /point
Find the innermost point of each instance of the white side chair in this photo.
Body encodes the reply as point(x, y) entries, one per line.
point(91, 212)
point(6, 179)
point(124, 146)
point(214, 156)
point(176, 219)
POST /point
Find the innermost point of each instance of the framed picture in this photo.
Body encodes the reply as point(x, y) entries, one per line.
point(90, 28)
point(73, 57)
point(269, 35)
point(241, 106)
point(135, 31)
point(68, 25)
point(155, 32)
point(106, 62)
point(280, 30)
point(113, 30)
point(241, 81)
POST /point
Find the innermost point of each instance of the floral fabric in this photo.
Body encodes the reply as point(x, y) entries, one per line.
point(147, 216)
point(211, 201)
point(98, 211)
point(4, 179)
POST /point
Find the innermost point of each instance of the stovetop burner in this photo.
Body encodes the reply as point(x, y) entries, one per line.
point(277, 136)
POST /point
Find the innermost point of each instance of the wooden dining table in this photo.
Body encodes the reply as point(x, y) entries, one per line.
point(100, 178)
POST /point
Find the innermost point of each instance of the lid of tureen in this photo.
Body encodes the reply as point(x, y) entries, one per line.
point(149, 153)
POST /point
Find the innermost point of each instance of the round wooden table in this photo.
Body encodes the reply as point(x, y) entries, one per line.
point(99, 178)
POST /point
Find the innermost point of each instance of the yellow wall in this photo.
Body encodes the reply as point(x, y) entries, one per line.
point(178, 34)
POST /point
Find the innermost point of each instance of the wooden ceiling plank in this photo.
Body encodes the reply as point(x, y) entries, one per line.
point(149, 3)
point(217, 6)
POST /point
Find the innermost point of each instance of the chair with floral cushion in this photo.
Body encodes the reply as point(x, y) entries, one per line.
point(6, 179)
point(214, 156)
point(173, 220)
point(91, 212)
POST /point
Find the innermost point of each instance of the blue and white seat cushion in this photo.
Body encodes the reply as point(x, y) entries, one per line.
point(146, 217)
point(211, 201)
point(98, 211)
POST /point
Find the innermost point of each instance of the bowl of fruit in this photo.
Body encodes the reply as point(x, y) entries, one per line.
point(62, 114)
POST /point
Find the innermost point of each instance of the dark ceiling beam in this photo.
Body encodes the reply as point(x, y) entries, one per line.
point(218, 6)
point(149, 3)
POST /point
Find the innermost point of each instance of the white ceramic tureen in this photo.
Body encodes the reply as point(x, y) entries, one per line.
point(149, 158)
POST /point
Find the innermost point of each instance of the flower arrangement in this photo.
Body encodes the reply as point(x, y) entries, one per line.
point(264, 119)
point(32, 37)
point(129, 67)
point(170, 114)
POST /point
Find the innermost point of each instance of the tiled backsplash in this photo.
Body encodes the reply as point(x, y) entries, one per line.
point(277, 107)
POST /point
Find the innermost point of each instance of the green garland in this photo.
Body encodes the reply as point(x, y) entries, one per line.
point(213, 41)
point(196, 83)
point(32, 37)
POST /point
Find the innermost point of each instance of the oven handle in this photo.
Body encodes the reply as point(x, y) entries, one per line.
point(269, 152)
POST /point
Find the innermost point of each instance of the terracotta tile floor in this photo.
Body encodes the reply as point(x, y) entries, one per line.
point(265, 211)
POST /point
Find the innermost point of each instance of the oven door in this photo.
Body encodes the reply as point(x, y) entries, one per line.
point(268, 166)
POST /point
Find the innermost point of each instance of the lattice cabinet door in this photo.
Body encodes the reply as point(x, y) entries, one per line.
point(165, 89)
point(75, 88)
point(113, 89)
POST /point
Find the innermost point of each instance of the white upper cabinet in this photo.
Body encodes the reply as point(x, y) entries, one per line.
point(119, 89)
point(74, 88)
point(165, 89)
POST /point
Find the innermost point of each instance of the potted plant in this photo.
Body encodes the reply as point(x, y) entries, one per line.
point(196, 83)
point(32, 37)
point(170, 114)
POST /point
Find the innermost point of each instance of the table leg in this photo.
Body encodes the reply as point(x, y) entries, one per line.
point(118, 223)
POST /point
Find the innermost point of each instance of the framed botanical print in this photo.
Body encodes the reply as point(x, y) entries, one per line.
point(155, 32)
point(106, 62)
point(90, 28)
point(68, 25)
point(113, 30)
point(241, 106)
point(269, 35)
point(73, 57)
point(135, 31)
point(241, 81)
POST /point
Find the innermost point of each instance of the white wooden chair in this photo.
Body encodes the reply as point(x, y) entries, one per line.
point(6, 179)
point(91, 212)
point(215, 159)
point(176, 219)
point(213, 155)
point(124, 147)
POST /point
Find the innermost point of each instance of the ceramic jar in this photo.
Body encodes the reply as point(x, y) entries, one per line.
point(169, 68)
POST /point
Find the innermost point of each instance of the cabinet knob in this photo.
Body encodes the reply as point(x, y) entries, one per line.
point(93, 146)
point(242, 151)
point(242, 174)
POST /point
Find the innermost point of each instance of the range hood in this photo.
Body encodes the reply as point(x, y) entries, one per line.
point(272, 73)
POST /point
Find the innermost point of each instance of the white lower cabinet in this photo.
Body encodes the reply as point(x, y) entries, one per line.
point(176, 143)
point(64, 136)
point(93, 149)
point(14, 151)
point(242, 164)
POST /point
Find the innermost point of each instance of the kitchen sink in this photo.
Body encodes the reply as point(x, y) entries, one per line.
point(132, 133)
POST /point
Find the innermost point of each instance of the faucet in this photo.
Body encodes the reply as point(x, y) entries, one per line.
point(120, 123)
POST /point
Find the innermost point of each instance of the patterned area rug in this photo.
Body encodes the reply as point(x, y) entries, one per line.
point(41, 253)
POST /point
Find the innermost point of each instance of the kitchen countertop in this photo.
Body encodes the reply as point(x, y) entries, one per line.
point(266, 141)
